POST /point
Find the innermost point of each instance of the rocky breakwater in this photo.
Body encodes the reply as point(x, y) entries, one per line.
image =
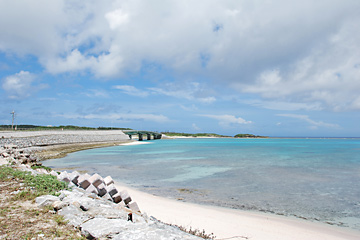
point(94, 205)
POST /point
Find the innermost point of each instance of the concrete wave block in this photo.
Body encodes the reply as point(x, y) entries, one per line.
point(92, 189)
point(64, 176)
point(83, 181)
point(107, 197)
point(108, 180)
point(111, 189)
point(117, 198)
point(74, 176)
point(125, 197)
point(134, 206)
point(96, 180)
point(101, 189)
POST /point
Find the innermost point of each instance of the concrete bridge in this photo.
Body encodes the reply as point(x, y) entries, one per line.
point(149, 135)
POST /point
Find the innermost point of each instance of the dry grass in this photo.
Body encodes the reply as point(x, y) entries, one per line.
point(21, 218)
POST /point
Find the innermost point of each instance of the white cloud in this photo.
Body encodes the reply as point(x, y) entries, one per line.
point(131, 90)
point(120, 117)
point(21, 85)
point(117, 18)
point(195, 127)
point(190, 91)
point(227, 120)
point(314, 124)
point(287, 51)
point(286, 106)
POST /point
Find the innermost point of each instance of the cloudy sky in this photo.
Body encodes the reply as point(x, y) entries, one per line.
point(276, 68)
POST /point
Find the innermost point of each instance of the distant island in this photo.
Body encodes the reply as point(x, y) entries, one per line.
point(176, 134)
point(248, 136)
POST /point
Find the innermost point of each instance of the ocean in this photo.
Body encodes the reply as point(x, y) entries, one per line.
point(314, 179)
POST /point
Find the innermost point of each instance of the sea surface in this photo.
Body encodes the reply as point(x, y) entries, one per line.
point(314, 179)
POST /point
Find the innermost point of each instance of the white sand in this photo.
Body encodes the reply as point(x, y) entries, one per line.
point(236, 224)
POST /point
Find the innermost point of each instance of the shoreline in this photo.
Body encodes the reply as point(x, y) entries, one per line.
point(225, 223)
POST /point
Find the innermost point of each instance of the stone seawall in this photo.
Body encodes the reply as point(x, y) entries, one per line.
point(93, 204)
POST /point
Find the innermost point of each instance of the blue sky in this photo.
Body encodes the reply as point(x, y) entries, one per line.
point(276, 68)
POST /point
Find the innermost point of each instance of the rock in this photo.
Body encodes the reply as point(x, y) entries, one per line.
point(134, 207)
point(5, 154)
point(46, 200)
point(10, 146)
point(96, 180)
point(111, 189)
point(74, 215)
point(125, 197)
point(101, 227)
point(108, 180)
point(57, 205)
point(101, 189)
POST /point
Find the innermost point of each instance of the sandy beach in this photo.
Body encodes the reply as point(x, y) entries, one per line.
point(227, 223)
point(222, 222)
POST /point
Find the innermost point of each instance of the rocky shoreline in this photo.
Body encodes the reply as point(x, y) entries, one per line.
point(92, 204)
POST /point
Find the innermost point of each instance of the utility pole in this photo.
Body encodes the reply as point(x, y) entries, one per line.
point(13, 118)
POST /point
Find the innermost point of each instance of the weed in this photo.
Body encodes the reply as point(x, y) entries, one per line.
point(60, 220)
point(43, 167)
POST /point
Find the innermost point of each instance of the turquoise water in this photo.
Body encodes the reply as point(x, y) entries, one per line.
point(316, 179)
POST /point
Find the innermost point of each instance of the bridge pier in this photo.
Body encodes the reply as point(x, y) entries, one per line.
point(149, 135)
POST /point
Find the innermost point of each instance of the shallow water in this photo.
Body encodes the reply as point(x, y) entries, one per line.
point(316, 179)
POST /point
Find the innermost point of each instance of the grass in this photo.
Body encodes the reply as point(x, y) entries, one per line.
point(20, 217)
point(34, 186)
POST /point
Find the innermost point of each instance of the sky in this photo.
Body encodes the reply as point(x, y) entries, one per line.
point(265, 67)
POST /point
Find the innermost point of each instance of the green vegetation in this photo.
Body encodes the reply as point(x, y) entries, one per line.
point(171, 134)
point(248, 136)
point(61, 127)
point(176, 134)
point(34, 185)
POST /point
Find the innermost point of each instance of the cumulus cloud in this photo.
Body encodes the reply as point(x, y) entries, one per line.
point(21, 85)
point(289, 51)
point(227, 120)
point(313, 124)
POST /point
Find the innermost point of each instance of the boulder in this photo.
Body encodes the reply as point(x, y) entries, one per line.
point(46, 200)
point(101, 227)
point(57, 205)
